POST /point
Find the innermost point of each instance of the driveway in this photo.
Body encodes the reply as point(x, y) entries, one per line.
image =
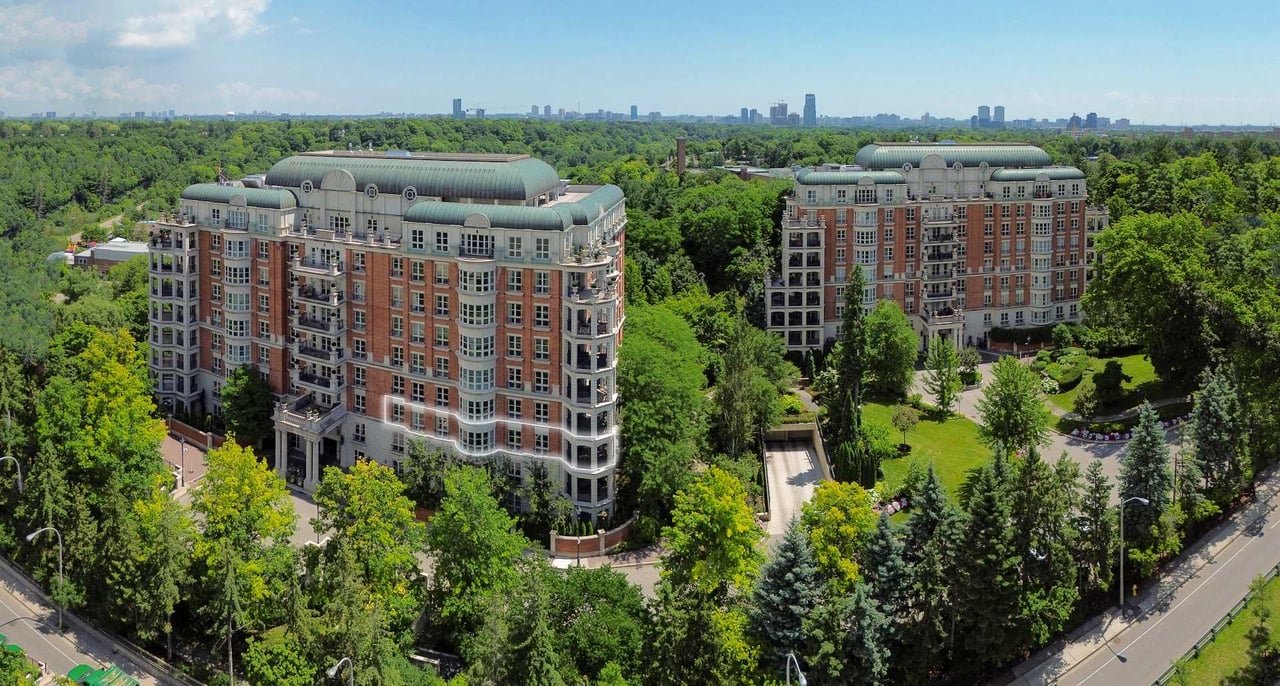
point(793, 473)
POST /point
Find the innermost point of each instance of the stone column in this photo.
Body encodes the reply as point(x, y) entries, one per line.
point(313, 466)
point(282, 454)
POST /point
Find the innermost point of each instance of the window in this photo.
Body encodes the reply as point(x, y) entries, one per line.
point(479, 410)
point(215, 240)
point(542, 248)
point(515, 314)
point(541, 349)
point(417, 271)
point(442, 368)
point(442, 241)
point(476, 282)
point(264, 304)
point(541, 444)
point(515, 247)
point(542, 315)
point(888, 252)
point(264, 329)
point(417, 332)
point(513, 439)
point(397, 413)
point(477, 379)
point(514, 346)
point(397, 326)
point(442, 396)
point(442, 305)
point(358, 320)
point(442, 426)
point(442, 273)
point(477, 346)
point(339, 222)
point(419, 302)
point(264, 357)
point(840, 256)
point(358, 377)
point(357, 262)
point(541, 381)
point(477, 315)
point(417, 363)
point(238, 276)
point(515, 378)
point(417, 237)
point(264, 276)
point(888, 233)
point(397, 267)
point(515, 280)
point(397, 356)
point(542, 282)
point(397, 384)
point(215, 268)
point(515, 408)
point(358, 406)
point(264, 250)
point(541, 412)
point(442, 337)
point(841, 235)
point(357, 432)
point(215, 292)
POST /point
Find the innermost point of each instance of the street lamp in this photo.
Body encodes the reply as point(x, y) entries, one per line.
point(31, 537)
point(1141, 501)
point(351, 671)
point(16, 465)
point(791, 659)
point(182, 475)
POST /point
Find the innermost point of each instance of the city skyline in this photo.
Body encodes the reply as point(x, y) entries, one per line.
point(1145, 62)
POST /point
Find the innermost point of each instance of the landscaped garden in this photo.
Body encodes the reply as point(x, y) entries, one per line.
point(952, 446)
point(1224, 661)
point(1138, 381)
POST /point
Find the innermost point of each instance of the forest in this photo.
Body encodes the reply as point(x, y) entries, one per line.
point(1189, 271)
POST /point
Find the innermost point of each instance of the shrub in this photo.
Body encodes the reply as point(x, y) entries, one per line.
point(790, 404)
point(1048, 385)
point(1043, 356)
point(970, 378)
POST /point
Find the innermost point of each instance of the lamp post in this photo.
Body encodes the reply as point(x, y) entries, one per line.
point(1141, 501)
point(182, 475)
point(30, 537)
point(791, 659)
point(16, 465)
point(351, 671)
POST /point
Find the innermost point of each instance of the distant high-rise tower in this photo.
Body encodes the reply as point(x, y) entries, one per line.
point(479, 113)
point(458, 112)
point(744, 116)
point(533, 111)
point(1091, 120)
point(810, 110)
point(754, 116)
point(635, 113)
point(984, 117)
point(998, 116)
point(546, 111)
point(778, 114)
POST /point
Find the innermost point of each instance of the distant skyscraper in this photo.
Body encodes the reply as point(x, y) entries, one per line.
point(984, 117)
point(533, 111)
point(973, 122)
point(998, 117)
point(810, 109)
point(546, 111)
point(1091, 120)
point(479, 113)
point(754, 116)
point(635, 113)
point(744, 117)
point(458, 112)
point(778, 114)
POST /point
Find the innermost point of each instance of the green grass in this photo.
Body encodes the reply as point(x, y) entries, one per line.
point(1229, 651)
point(953, 445)
point(1143, 385)
point(1066, 426)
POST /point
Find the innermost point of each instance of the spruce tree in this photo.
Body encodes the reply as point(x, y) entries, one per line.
point(1097, 529)
point(1145, 473)
point(788, 590)
point(888, 579)
point(1041, 507)
point(987, 594)
point(929, 513)
point(847, 640)
point(1216, 433)
point(925, 643)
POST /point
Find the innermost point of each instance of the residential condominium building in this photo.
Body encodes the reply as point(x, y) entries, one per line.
point(964, 237)
point(473, 302)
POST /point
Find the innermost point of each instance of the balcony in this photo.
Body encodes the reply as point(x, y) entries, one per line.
point(585, 363)
point(318, 267)
point(169, 340)
point(332, 326)
point(937, 219)
point(475, 252)
point(939, 238)
point(938, 294)
point(320, 382)
point(591, 295)
point(939, 256)
point(942, 316)
point(586, 330)
point(319, 355)
point(306, 415)
point(330, 298)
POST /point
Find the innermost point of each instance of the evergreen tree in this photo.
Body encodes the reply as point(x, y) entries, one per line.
point(788, 590)
point(886, 574)
point(987, 597)
point(930, 512)
point(1013, 415)
point(1040, 510)
point(1097, 527)
point(942, 378)
point(533, 659)
point(847, 640)
point(1145, 473)
point(851, 369)
point(927, 636)
point(1216, 431)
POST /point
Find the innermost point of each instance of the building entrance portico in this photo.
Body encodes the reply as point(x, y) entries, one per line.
point(307, 439)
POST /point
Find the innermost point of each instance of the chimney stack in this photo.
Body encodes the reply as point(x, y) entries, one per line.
point(680, 155)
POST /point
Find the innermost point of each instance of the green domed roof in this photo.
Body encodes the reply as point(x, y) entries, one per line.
point(1054, 174)
point(894, 155)
point(557, 217)
point(267, 198)
point(847, 178)
point(491, 177)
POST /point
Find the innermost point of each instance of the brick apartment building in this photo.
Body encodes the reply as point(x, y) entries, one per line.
point(965, 237)
point(470, 301)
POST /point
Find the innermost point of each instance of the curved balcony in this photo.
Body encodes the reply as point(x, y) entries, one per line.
point(311, 266)
point(330, 357)
point(328, 298)
point(331, 326)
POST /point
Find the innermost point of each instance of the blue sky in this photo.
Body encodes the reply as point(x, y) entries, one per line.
point(1167, 62)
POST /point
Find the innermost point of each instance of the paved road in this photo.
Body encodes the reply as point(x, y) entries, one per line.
point(26, 621)
point(1176, 611)
point(793, 472)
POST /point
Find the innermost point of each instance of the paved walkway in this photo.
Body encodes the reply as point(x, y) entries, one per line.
point(1174, 612)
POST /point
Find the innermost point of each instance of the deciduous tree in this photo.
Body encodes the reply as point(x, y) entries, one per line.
point(892, 347)
point(1013, 415)
point(247, 406)
point(942, 375)
point(839, 520)
point(711, 543)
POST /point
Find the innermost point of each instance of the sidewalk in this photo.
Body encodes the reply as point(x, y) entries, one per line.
point(636, 558)
point(1081, 655)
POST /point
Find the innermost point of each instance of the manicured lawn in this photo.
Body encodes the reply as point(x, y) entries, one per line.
point(953, 445)
point(1144, 384)
point(1066, 426)
point(1230, 650)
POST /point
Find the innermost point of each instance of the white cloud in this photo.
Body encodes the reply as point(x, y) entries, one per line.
point(53, 82)
point(26, 26)
point(179, 23)
point(241, 96)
